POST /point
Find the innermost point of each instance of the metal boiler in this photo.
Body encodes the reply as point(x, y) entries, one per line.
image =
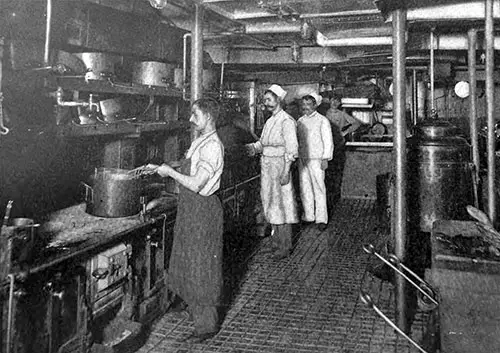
point(440, 174)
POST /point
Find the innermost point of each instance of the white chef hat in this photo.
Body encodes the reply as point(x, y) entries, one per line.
point(317, 97)
point(277, 90)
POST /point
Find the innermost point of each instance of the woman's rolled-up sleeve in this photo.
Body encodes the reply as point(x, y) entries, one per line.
point(290, 139)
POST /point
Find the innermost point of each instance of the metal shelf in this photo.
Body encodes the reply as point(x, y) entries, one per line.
point(108, 86)
point(119, 128)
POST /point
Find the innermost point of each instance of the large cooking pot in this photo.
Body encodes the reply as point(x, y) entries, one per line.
point(99, 65)
point(440, 174)
point(153, 73)
point(114, 193)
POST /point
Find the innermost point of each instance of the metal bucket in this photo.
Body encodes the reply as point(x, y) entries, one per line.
point(153, 73)
point(99, 66)
point(114, 193)
point(440, 175)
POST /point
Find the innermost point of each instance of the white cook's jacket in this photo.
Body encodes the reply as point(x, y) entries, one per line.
point(277, 144)
point(315, 145)
point(315, 137)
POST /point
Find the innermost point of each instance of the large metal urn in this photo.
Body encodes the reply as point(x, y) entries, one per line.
point(440, 174)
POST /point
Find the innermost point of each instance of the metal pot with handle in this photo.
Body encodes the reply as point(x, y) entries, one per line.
point(114, 193)
point(153, 73)
point(99, 65)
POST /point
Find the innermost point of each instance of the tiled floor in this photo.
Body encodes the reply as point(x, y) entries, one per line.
point(308, 302)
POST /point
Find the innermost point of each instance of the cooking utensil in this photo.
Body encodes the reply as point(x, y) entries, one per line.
point(6, 216)
point(366, 299)
point(99, 66)
point(114, 193)
point(427, 296)
point(153, 73)
point(110, 109)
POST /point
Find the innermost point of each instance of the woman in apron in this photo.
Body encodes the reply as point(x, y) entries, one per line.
point(195, 269)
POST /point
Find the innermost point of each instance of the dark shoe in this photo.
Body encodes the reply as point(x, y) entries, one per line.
point(305, 224)
point(196, 338)
point(178, 305)
point(322, 226)
point(280, 256)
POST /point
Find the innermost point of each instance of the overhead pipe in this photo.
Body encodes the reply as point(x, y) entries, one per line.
point(218, 35)
point(273, 27)
point(490, 106)
point(454, 42)
point(48, 30)
point(472, 36)
point(323, 41)
point(399, 152)
point(464, 11)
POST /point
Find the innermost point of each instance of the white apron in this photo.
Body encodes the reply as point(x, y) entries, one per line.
point(278, 141)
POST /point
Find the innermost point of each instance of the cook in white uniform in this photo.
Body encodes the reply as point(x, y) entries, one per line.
point(279, 148)
point(315, 150)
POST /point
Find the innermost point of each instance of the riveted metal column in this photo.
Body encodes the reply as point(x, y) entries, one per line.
point(399, 159)
point(472, 40)
point(490, 106)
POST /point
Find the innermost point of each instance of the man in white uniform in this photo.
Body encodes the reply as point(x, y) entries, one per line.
point(315, 150)
point(279, 148)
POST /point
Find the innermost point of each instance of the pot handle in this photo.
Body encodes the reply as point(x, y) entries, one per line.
point(89, 193)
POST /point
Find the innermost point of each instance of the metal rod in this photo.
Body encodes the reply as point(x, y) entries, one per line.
point(431, 70)
point(414, 96)
point(399, 155)
point(221, 84)
point(394, 265)
point(10, 312)
point(365, 298)
point(490, 106)
point(48, 30)
point(184, 65)
point(472, 40)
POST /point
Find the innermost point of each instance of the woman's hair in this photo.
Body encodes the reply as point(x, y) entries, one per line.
point(210, 106)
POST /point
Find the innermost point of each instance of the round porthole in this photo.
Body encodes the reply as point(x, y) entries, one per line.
point(462, 89)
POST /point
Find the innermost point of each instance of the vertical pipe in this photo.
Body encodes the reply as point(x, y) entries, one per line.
point(490, 106)
point(197, 59)
point(252, 109)
point(399, 103)
point(414, 96)
point(431, 72)
point(221, 84)
point(197, 55)
point(472, 40)
point(184, 65)
point(421, 97)
point(48, 29)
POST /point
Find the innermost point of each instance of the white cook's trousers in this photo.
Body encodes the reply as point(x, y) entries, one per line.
point(313, 190)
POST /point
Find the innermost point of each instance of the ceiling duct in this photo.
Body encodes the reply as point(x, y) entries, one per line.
point(464, 11)
point(323, 41)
